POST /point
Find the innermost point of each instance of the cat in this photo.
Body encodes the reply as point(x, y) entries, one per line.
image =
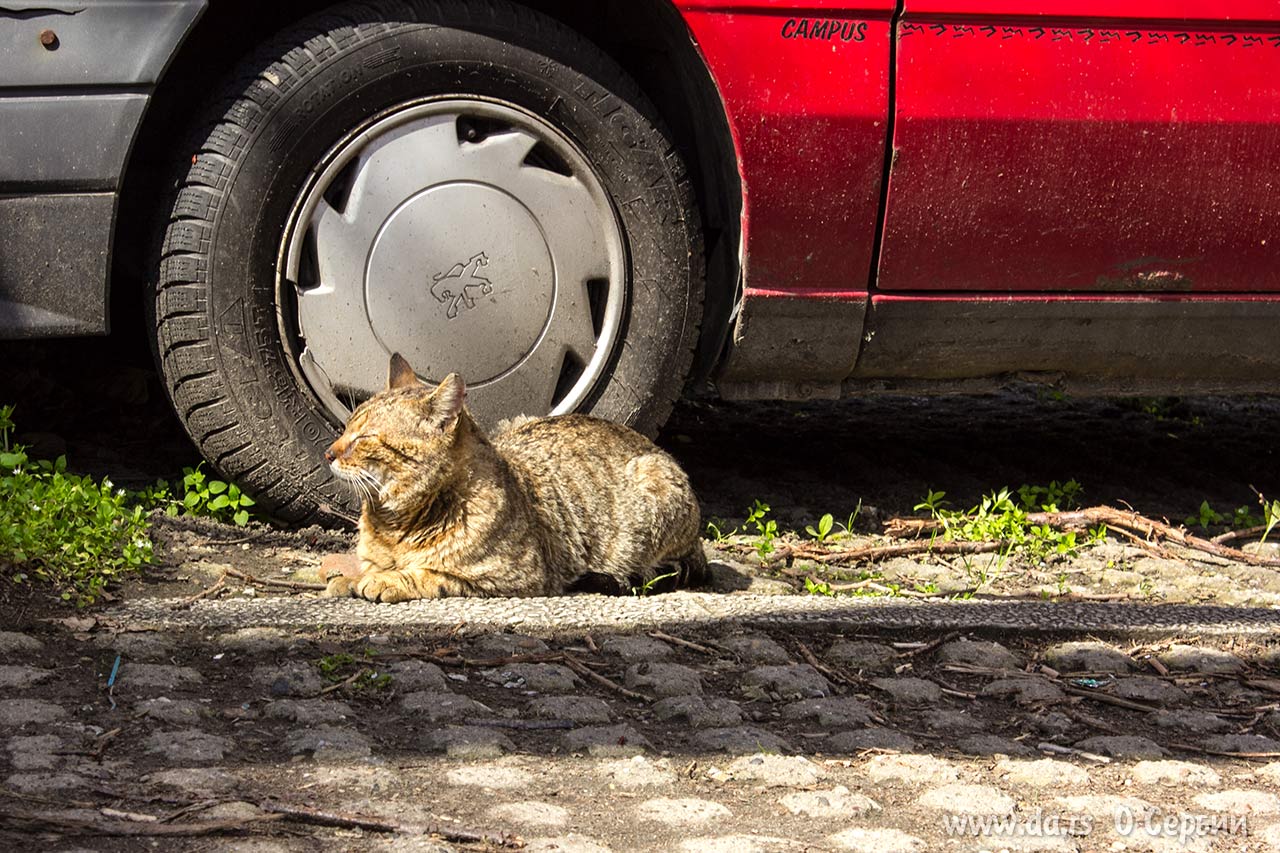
point(547, 506)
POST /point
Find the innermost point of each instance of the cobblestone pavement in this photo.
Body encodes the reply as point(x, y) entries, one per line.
point(718, 736)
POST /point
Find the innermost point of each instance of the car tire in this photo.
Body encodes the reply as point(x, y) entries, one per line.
point(237, 333)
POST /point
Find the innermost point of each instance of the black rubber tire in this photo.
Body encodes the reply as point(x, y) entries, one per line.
point(218, 336)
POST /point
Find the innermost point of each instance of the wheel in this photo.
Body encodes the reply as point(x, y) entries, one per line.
point(471, 185)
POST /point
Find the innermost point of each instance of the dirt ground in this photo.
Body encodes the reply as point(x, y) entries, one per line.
point(876, 457)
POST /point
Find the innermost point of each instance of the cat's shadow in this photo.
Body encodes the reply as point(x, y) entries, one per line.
point(728, 577)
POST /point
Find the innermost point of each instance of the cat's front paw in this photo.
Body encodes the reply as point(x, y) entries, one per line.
point(388, 587)
point(340, 587)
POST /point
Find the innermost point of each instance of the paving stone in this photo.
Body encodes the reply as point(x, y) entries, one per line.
point(257, 640)
point(838, 802)
point(742, 843)
point(197, 780)
point(505, 645)
point(1240, 802)
point(1185, 658)
point(1270, 772)
point(164, 676)
point(877, 841)
point(416, 844)
point(791, 681)
point(606, 740)
point(308, 711)
point(836, 711)
point(14, 644)
point(261, 845)
point(234, 810)
point(290, 679)
point(571, 843)
point(638, 772)
point(946, 720)
point(579, 709)
point(1104, 806)
point(682, 812)
point(329, 743)
point(698, 711)
point(869, 738)
point(663, 679)
point(364, 777)
point(539, 677)
point(35, 752)
point(1025, 691)
point(188, 746)
point(1040, 844)
point(410, 675)
point(39, 783)
point(531, 813)
point(635, 648)
point(469, 742)
point(21, 677)
point(739, 740)
point(137, 645)
point(1240, 743)
point(1144, 688)
point(490, 776)
point(992, 745)
point(178, 711)
point(968, 799)
point(1123, 746)
point(862, 655)
point(1189, 720)
point(756, 650)
point(978, 653)
point(1175, 773)
point(1044, 773)
point(443, 706)
point(910, 769)
point(909, 691)
point(1088, 657)
point(775, 771)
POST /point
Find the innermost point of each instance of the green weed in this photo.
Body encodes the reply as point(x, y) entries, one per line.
point(214, 498)
point(766, 528)
point(65, 530)
point(1205, 516)
point(824, 528)
point(1002, 517)
point(343, 667)
point(716, 530)
point(648, 585)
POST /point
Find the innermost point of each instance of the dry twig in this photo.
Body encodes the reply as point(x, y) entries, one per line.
point(659, 635)
point(68, 825)
point(582, 669)
point(452, 833)
point(216, 586)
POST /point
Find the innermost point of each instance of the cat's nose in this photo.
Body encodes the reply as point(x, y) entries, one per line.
point(328, 455)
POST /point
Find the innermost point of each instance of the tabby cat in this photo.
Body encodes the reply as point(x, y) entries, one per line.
point(546, 506)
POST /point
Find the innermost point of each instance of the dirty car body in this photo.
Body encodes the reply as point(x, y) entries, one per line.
point(891, 195)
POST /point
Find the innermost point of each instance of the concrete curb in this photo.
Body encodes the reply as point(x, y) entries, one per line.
point(560, 615)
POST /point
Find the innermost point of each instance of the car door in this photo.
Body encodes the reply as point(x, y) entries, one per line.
point(1061, 145)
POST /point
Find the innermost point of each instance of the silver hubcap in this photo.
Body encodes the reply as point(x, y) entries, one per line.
point(468, 236)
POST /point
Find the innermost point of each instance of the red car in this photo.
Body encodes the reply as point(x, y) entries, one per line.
point(591, 206)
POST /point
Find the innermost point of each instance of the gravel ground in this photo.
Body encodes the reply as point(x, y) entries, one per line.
point(721, 738)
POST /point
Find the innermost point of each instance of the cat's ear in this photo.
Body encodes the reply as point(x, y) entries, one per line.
point(401, 375)
point(447, 400)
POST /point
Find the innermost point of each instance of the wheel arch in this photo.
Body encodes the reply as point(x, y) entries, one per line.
point(648, 38)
